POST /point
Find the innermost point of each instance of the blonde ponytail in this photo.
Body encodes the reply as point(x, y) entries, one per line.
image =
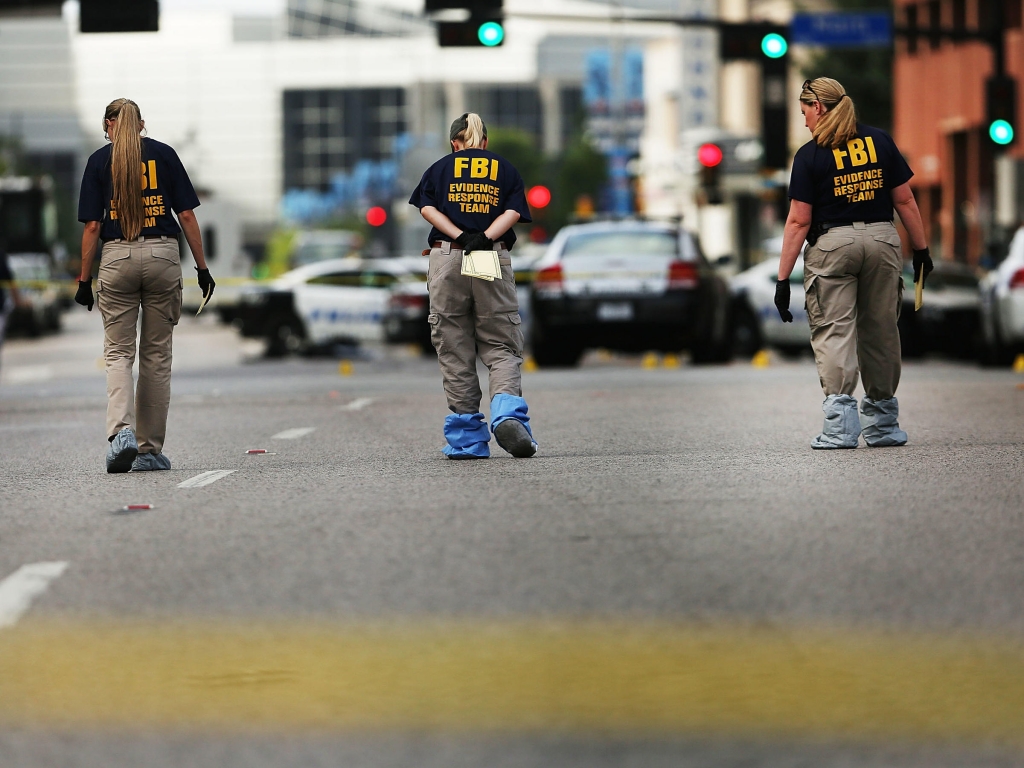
point(470, 130)
point(839, 123)
point(126, 164)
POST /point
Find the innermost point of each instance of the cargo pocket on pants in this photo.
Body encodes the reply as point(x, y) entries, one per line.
point(812, 304)
point(176, 303)
point(434, 320)
point(516, 332)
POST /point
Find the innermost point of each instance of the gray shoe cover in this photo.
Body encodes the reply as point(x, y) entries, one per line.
point(880, 421)
point(842, 427)
point(122, 451)
point(150, 462)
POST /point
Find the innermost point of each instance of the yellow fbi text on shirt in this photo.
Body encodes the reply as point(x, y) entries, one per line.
point(860, 186)
point(473, 197)
point(154, 204)
point(856, 187)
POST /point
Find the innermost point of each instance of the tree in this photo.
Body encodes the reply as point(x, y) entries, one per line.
point(519, 148)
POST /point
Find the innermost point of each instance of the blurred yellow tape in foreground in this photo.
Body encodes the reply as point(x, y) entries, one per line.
point(607, 677)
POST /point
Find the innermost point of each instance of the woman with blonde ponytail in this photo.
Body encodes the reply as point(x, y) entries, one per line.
point(844, 185)
point(130, 189)
point(471, 198)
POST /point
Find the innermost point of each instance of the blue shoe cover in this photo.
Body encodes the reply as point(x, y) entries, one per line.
point(504, 407)
point(842, 426)
point(879, 420)
point(467, 436)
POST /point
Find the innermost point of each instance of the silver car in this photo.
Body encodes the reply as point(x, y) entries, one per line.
point(629, 286)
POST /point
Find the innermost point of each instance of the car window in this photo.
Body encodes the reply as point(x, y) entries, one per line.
point(622, 244)
point(412, 277)
point(29, 270)
point(345, 279)
point(372, 279)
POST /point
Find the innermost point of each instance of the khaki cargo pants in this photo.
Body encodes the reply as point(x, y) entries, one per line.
point(146, 274)
point(853, 280)
point(470, 316)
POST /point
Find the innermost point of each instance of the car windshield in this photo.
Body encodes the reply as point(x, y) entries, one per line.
point(622, 244)
point(310, 253)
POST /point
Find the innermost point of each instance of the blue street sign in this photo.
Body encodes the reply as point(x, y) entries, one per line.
point(835, 30)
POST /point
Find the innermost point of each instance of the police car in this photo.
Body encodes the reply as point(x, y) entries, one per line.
point(756, 321)
point(1002, 306)
point(337, 301)
point(629, 286)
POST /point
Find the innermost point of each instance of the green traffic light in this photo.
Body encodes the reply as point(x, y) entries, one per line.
point(490, 33)
point(1001, 132)
point(774, 46)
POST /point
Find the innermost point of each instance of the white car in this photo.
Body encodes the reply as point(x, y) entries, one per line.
point(328, 302)
point(756, 321)
point(1002, 305)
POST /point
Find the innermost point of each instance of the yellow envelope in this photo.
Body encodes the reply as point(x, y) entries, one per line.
point(482, 264)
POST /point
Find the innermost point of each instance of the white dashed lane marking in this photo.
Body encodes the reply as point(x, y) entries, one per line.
point(293, 434)
point(23, 586)
point(205, 478)
point(358, 404)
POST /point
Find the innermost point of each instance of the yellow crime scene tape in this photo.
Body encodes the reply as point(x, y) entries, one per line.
point(606, 677)
point(72, 284)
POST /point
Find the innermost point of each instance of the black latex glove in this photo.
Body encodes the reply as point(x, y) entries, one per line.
point(462, 239)
point(782, 300)
point(84, 294)
point(922, 259)
point(478, 241)
point(206, 283)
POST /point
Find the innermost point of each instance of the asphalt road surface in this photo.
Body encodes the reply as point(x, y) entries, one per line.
point(676, 579)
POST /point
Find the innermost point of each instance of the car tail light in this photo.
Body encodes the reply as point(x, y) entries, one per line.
point(549, 279)
point(404, 301)
point(407, 305)
point(682, 274)
point(1017, 281)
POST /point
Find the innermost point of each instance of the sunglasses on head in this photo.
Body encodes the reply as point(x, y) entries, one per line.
point(807, 87)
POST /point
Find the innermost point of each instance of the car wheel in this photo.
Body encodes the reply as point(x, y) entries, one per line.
point(551, 353)
point(994, 352)
point(747, 339)
point(53, 319)
point(792, 351)
point(285, 336)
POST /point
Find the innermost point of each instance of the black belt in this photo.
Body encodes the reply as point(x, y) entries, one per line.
point(453, 246)
point(819, 228)
point(827, 225)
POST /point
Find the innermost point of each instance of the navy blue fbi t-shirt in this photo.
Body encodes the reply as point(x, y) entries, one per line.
point(165, 188)
point(852, 182)
point(472, 187)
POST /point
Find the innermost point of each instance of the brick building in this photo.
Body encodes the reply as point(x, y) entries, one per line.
point(968, 194)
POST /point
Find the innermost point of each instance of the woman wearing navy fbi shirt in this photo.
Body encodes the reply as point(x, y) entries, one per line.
point(845, 184)
point(129, 191)
point(472, 198)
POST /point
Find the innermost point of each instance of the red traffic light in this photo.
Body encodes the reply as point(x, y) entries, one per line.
point(709, 155)
point(538, 197)
point(376, 216)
